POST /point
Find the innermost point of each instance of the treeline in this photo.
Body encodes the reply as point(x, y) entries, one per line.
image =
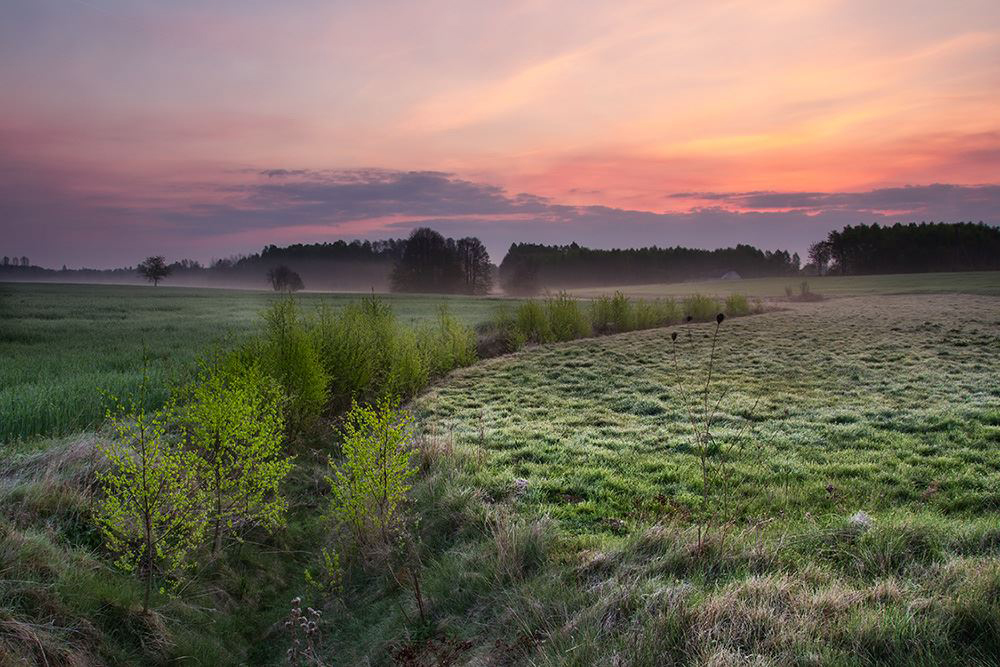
point(912, 248)
point(529, 267)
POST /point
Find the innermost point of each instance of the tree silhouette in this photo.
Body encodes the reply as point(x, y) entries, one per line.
point(154, 269)
point(477, 272)
point(429, 263)
point(283, 279)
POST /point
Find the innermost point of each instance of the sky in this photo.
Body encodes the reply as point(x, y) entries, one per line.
point(201, 129)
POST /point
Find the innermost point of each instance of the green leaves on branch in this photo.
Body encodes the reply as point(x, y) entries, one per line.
point(368, 487)
point(151, 513)
point(162, 490)
point(234, 424)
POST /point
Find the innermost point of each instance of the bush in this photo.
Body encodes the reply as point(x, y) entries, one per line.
point(612, 314)
point(499, 335)
point(566, 318)
point(656, 313)
point(701, 308)
point(446, 345)
point(289, 355)
point(737, 304)
point(150, 514)
point(232, 421)
point(368, 487)
point(532, 323)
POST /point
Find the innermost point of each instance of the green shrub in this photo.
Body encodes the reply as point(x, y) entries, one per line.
point(447, 344)
point(532, 323)
point(371, 482)
point(150, 512)
point(499, 335)
point(566, 319)
point(737, 304)
point(612, 314)
point(356, 347)
point(232, 422)
point(289, 354)
point(701, 308)
point(655, 313)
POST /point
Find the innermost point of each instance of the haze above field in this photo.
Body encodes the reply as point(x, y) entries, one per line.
point(133, 128)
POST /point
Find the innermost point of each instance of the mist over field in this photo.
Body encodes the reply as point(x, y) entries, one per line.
point(499, 334)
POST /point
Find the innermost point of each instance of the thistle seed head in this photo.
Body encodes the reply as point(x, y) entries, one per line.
point(673, 335)
point(719, 318)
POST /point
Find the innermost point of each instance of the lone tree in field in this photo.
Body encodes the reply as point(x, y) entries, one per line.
point(150, 513)
point(154, 269)
point(283, 279)
point(234, 424)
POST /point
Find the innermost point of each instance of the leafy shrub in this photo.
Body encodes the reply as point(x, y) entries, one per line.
point(290, 356)
point(700, 307)
point(612, 314)
point(232, 421)
point(447, 344)
point(150, 511)
point(499, 335)
point(737, 304)
point(372, 480)
point(532, 323)
point(656, 313)
point(565, 317)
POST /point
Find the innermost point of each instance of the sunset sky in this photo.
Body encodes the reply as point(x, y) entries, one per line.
point(201, 129)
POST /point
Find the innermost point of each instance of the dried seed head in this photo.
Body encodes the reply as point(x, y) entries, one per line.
point(673, 335)
point(719, 318)
point(689, 318)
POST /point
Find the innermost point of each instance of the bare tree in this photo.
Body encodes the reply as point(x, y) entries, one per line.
point(154, 269)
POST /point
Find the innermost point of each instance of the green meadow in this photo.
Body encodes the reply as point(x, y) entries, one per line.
point(970, 282)
point(64, 346)
point(561, 506)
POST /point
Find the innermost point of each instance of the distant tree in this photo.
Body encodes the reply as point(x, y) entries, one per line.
point(477, 271)
point(429, 263)
point(819, 255)
point(24, 261)
point(283, 279)
point(154, 269)
point(520, 277)
point(6, 260)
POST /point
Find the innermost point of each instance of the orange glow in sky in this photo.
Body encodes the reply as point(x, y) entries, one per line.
point(165, 107)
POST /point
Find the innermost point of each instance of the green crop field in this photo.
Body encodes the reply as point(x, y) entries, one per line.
point(62, 345)
point(972, 282)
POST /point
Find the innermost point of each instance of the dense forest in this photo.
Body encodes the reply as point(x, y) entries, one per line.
point(912, 248)
point(429, 262)
point(528, 267)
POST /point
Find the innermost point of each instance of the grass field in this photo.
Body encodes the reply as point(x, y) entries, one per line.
point(61, 345)
point(559, 495)
point(891, 401)
point(972, 282)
